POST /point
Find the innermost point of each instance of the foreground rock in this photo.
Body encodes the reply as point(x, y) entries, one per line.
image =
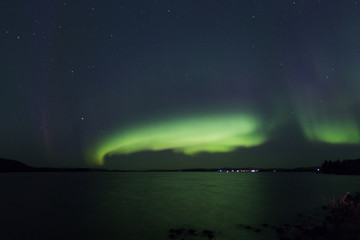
point(341, 221)
point(184, 233)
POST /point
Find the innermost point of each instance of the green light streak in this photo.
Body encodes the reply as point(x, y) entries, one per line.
point(333, 131)
point(326, 119)
point(214, 133)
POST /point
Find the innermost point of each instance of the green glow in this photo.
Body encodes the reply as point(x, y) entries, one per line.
point(333, 131)
point(219, 133)
point(325, 119)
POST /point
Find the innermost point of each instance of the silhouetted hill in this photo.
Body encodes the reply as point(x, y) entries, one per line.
point(7, 165)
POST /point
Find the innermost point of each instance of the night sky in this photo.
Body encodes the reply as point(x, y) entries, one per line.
point(179, 84)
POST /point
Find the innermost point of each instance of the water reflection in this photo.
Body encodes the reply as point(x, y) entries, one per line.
point(131, 205)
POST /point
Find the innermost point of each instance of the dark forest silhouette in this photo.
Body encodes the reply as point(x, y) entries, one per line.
point(347, 166)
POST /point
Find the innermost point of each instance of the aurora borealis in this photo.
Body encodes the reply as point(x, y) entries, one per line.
point(212, 134)
point(179, 84)
point(338, 131)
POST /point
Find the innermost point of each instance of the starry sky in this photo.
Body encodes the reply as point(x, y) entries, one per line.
point(150, 84)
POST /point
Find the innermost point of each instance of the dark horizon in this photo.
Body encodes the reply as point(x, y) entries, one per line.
point(11, 165)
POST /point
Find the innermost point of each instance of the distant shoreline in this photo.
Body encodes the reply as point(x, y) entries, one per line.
point(7, 165)
point(345, 167)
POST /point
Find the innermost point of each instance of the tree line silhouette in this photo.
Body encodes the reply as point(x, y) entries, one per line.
point(347, 166)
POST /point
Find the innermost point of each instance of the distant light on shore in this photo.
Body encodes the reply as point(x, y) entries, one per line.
point(240, 170)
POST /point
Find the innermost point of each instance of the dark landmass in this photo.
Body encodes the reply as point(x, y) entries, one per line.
point(345, 167)
point(7, 165)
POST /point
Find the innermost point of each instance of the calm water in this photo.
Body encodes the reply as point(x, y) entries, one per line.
point(147, 205)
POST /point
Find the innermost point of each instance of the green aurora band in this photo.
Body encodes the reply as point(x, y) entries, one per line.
point(192, 135)
point(333, 131)
point(333, 121)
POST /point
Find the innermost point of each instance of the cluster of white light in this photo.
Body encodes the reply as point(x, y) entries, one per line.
point(242, 170)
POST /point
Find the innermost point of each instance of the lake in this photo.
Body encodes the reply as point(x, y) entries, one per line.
point(147, 205)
